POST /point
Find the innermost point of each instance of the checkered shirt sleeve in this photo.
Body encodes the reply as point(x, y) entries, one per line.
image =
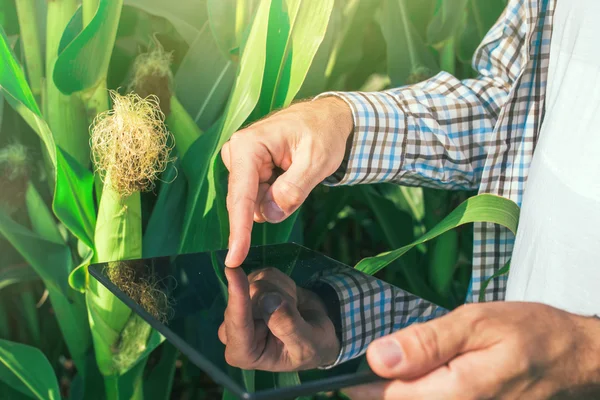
point(371, 308)
point(435, 133)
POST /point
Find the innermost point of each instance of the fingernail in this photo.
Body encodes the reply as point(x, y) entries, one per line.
point(388, 351)
point(270, 302)
point(271, 211)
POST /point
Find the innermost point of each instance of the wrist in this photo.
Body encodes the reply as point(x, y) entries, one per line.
point(338, 115)
point(330, 342)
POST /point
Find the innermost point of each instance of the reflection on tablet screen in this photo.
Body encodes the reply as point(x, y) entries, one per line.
point(185, 297)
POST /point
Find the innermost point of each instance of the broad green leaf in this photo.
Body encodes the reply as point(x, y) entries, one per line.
point(159, 379)
point(347, 50)
point(200, 159)
point(323, 217)
point(16, 274)
point(200, 224)
point(267, 233)
point(204, 79)
point(421, 13)
point(42, 220)
point(316, 77)
point(296, 29)
point(26, 369)
point(65, 115)
point(228, 20)
point(74, 205)
point(73, 202)
point(188, 17)
point(446, 22)
point(481, 208)
point(73, 199)
point(163, 231)
point(248, 81)
point(395, 223)
point(38, 252)
point(16, 91)
point(83, 62)
point(53, 262)
point(481, 15)
point(406, 51)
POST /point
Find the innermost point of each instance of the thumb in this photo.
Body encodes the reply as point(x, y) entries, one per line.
point(290, 189)
point(421, 348)
point(283, 319)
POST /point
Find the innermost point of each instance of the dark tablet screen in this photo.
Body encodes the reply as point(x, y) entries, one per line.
point(184, 298)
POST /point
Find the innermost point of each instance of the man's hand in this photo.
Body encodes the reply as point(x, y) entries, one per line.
point(489, 351)
point(275, 163)
point(272, 325)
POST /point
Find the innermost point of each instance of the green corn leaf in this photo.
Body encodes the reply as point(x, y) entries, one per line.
point(27, 370)
point(481, 15)
point(163, 231)
point(204, 80)
point(406, 50)
point(347, 52)
point(38, 252)
point(267, 233)
point(196, 164)
point(16, 274)
point(159, 380)
point(197, 233)
point(316, 77)
point(16, 91)
point(83, 62)
point(41, 218)
point(187, 17)
point(65, 115)
point(502, 271)
point(323, 217)
point(53, 262)
point(248, 81)
point(296, 29)
point(228, 22)
point(73, 200)
point(74, 205)
point(481, 208)
point(204, 77)
point(446, 22)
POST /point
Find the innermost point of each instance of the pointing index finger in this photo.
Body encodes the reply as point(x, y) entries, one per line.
point(239, 322)
point(241, 199)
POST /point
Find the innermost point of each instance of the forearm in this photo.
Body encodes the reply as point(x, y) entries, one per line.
point(436, 133)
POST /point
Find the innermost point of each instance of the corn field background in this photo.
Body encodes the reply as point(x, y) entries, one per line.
point(214, 66)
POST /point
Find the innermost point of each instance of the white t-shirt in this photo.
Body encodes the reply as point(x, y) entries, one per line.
point(556, 259)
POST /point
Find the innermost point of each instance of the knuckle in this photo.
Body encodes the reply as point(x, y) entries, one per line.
point(230, 358)
point(262, 274)
point(282, 321)
point(427, 341)
point(475, 315)
point(292, 194)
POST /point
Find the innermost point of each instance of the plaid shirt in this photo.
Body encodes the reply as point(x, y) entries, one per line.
point(451, 134)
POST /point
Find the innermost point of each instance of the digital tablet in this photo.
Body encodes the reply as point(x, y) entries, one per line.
point(184, 298)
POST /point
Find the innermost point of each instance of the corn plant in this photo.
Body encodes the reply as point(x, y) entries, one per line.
point(113, 113)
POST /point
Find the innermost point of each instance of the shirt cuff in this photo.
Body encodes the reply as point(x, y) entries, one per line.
point(372, 144)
